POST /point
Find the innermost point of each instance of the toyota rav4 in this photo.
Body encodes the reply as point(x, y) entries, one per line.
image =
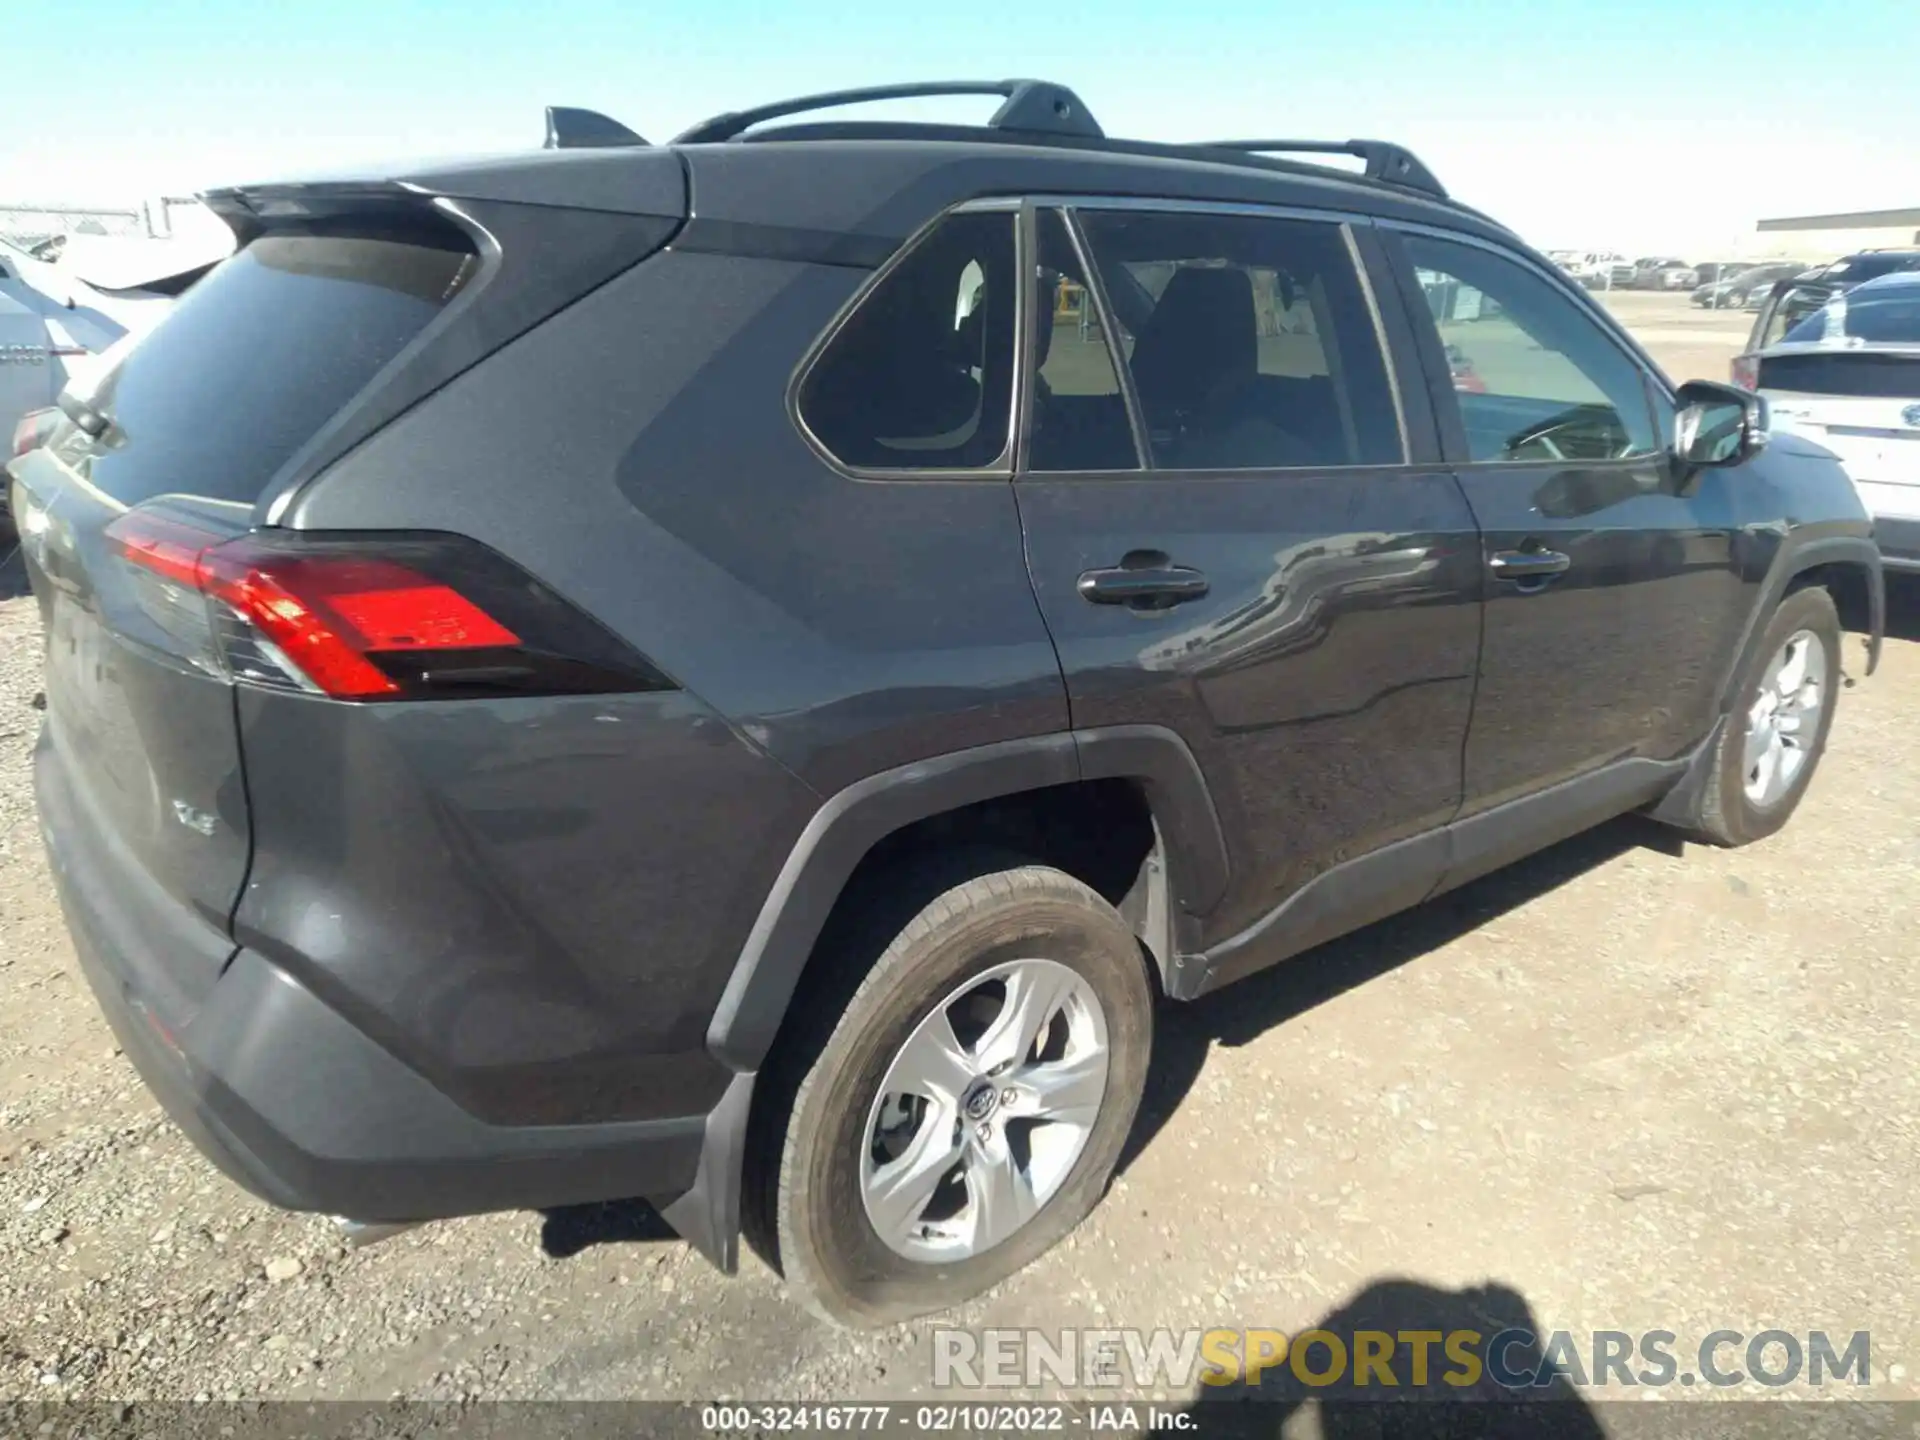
point(744, 672)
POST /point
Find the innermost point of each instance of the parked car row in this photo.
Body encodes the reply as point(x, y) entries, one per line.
point(1606, 269)
point(1750, 288)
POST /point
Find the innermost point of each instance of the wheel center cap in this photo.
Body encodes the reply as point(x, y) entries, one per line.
point(981, 1101)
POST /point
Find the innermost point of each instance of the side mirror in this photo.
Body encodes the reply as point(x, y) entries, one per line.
point(1718, 424)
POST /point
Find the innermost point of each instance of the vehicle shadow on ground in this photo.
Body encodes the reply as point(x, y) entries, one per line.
point(13, 571)
point(1244, 1011)
point(1456, 1395)
point(566, 1232)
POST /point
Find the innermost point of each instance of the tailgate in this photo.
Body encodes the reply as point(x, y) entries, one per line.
point(341, 306)
point(142, 794)
point(1865, 407)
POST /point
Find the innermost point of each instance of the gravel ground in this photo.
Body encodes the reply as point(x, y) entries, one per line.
point(1626, 1084)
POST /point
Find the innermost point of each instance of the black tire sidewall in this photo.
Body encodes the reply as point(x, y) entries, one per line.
point(1812, 610)
point(827, 1244)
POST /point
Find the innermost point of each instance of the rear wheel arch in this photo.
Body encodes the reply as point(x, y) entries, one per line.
point(1088, 803)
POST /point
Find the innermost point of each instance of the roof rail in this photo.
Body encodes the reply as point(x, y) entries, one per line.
point(1038, 106)
point(569, 128)
point(1385, 160)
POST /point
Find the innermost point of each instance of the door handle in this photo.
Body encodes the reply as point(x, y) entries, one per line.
point(1146, 580)
point(1529, 564)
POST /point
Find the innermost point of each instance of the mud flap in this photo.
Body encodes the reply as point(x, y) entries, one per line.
point(1680, 806)
point(708, 1215)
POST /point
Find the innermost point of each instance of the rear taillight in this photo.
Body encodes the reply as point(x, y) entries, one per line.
point(377, 617)
point(1746, 371)
point(33, 429)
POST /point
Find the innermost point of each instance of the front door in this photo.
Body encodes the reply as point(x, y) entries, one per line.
point(1229, 537)
point(1613, 595)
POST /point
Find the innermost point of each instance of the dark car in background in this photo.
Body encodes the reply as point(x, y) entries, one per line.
point(1863, 265)
point(558, 693)
point(1732, 291)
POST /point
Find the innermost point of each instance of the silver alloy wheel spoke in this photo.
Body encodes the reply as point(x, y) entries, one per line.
point(898, 1192)
point(1064, 1090)
point(1034, 997)
point(933, 1063)
point(1785, 719)
point(1002, 1199)
point(1007, 1115)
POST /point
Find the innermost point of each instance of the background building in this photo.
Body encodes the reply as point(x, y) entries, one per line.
point(1824, 236)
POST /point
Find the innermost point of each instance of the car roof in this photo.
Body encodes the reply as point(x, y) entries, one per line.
point(882, 181)
point(1896, 280)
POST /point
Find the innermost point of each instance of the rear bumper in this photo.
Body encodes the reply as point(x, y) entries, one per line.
point(297, 1105)
point(1899, 542)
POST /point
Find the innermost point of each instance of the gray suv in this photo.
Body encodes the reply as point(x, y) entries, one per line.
point(744, 672)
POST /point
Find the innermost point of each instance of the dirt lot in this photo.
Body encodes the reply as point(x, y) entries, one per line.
point(1624, 1085)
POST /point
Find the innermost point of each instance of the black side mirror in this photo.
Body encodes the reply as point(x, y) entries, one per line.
point(1718, 424)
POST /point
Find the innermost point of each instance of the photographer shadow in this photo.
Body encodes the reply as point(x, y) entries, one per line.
point(1456, 1396)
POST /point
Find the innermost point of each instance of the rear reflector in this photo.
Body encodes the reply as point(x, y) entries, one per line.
point(378, 617)
point(1746, 371)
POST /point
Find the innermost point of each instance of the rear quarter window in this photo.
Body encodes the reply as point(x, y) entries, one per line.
point(259, 355)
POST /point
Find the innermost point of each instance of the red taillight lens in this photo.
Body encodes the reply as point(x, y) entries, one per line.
point(1746, 371)
point(379, 617)
point(328, 614)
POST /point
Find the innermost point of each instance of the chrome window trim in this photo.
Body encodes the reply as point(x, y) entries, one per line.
point(1203, 207)
point(1001, 467)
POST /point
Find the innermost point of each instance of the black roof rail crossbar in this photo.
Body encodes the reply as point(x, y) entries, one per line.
point(569, 128)
point(1038, 106)
point(1385, 160)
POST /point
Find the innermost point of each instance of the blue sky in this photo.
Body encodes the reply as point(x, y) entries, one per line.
point(1623, 123)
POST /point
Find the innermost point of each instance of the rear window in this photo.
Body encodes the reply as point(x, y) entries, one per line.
point(1843, 372)
point(258, 356)
point(1886, 317)
point(1856, 269)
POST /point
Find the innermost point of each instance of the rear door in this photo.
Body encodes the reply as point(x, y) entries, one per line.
point(1234, 533)
point(1613, 593)
point(139, 773)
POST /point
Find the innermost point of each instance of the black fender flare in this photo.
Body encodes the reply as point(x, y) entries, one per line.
point(1795, 558)
point(847, 826)
point(1681, 805)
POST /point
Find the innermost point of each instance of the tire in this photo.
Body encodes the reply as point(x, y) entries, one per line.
point(1729, 813)
point(820, 1125)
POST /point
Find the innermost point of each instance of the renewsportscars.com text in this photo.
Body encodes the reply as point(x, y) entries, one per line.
point(1369, 1360)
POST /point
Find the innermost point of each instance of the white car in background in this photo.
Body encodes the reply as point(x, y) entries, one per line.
point(55, 322)
point(1842, 367)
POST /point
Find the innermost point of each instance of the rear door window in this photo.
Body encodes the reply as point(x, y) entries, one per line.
point(258, 356)
point(1250, 341)
point(920, 375)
